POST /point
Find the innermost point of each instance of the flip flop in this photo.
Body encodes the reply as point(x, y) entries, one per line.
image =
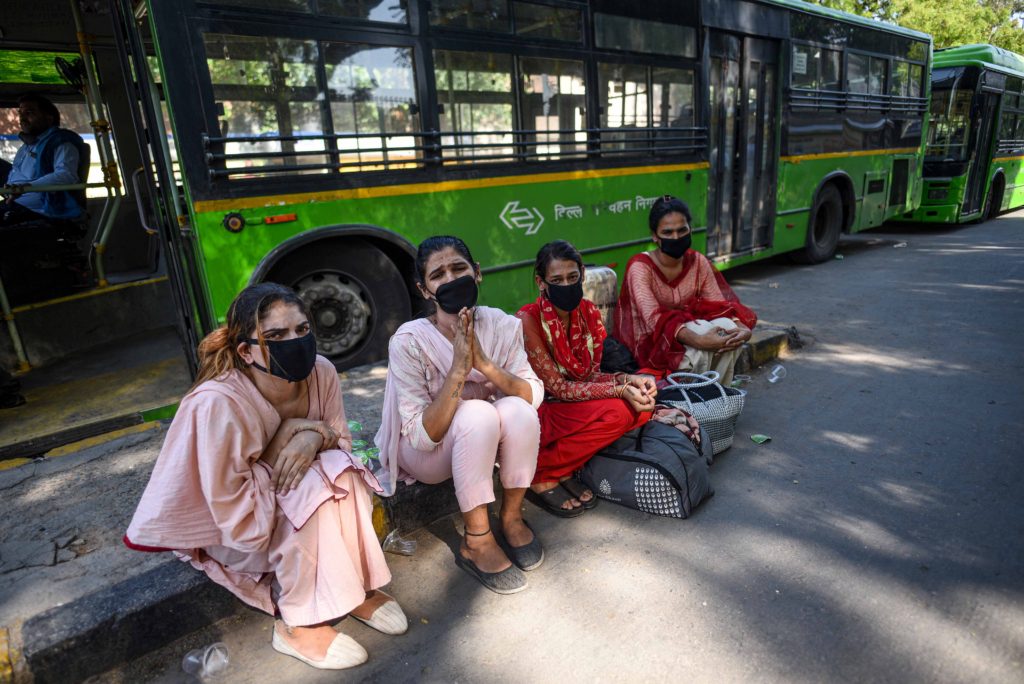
point(511, 580)
point(552, 500)
point(576, 490)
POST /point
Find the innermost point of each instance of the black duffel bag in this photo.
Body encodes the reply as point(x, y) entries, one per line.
point(655, 469)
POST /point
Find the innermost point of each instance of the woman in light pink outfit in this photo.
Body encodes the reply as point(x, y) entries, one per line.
point(256, 484)
point(461, 397)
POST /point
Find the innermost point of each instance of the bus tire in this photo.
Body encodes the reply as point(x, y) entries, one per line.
point(355, 294)
point(823, 228)
point(994, 200)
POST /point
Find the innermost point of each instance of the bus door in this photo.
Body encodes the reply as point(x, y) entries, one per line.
point(743, 156)
point(984, 113)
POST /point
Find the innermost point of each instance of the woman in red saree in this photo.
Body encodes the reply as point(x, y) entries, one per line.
point(675, 310)
point(584, 409)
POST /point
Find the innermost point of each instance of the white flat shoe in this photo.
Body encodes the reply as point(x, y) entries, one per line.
point(343, 652)
point(388, 619)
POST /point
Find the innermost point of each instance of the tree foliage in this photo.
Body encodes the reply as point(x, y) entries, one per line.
point(950, 22)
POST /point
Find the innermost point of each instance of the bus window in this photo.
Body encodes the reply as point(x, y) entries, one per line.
point(550, 23)
point(642, 35)
point(623, 93)
point(267, 87)
point(831, 70)
point(950, 124)
point(899, 85)
point(474, 90)
point(876, 76)
point(916, 73)
point(391, 11)
point(480, 15)
point(816, 68)
point(856, 73)
point(372, 90)
point(672, 93)
point(281, 5)
point(554, 99)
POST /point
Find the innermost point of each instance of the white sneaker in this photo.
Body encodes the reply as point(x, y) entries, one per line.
point(388, 619)
point(343, 652)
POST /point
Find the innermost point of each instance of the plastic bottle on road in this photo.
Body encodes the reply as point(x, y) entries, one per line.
point(206, 663)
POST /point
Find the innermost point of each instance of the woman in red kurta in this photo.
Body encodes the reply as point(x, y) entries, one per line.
point(584, 409)
point(675, 310)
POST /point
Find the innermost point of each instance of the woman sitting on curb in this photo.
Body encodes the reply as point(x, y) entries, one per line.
point(585, 409)
point(675, 310)
point(461, 397)
point(256, 486)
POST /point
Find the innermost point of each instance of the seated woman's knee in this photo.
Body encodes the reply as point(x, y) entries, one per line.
point(476, 415)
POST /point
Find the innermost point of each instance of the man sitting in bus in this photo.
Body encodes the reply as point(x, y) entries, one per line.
point(50, 156)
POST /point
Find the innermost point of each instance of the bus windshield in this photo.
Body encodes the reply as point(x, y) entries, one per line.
point(950, 124)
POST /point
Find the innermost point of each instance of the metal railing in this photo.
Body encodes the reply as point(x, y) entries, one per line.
point(417, 150)
point(800, 98)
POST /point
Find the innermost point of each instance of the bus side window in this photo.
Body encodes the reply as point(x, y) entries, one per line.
point(474, 92)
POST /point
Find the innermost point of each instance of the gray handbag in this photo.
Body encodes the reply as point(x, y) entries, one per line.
point(716, 408)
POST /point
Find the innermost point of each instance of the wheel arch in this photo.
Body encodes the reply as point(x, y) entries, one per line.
point(398, 249)
point(847, 194)
point(998, 176)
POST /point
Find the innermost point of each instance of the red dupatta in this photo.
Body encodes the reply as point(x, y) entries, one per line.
point(576, 351)
point(651, 307)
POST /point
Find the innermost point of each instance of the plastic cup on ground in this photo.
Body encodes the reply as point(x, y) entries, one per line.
point(778, 373)
point(207, 662)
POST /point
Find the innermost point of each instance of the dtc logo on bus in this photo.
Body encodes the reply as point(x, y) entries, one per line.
point(523, 218)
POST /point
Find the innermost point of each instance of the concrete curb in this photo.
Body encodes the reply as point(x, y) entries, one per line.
point(108, 628)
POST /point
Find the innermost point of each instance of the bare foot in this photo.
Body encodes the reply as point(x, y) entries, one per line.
point(374, 600)
point(311, 642)
point(587, 495)
point(542, 487)
point(485, 553)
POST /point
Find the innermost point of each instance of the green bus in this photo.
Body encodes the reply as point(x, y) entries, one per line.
point(316, 142)
point(972, 168)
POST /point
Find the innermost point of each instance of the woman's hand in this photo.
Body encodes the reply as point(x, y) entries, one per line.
point(294, 460)
point(715, 340)
point(464, 344)
point(738, 336)
point(481, 361)
point(636, 398)
point(644, 383)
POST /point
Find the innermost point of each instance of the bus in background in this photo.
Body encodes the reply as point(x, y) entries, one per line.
point(320, 142)
point(972, 167)
point(315, 143)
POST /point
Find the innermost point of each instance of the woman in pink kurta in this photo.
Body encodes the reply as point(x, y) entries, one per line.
point(675, 310)
point(256, 484)
point(461, 397)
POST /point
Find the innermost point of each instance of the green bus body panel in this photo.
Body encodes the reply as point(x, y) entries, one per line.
point(474, 214)
point(1013, 171)
point(944, 209)
point(985, 56)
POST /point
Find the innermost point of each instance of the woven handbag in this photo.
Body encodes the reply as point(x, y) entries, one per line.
point(716, 408)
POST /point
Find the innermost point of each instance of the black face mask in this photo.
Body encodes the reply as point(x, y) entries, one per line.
point(290, 360)
point(676, 248)
point(458, 294)
point(565, 297)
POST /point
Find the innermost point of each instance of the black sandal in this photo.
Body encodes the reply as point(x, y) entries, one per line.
point(577, 489)
point(511, 580)
point(552, 500)
point(529, 556)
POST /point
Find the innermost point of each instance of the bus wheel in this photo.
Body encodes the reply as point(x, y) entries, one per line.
point(994, 200)
point(825, 226)
point(355, 295)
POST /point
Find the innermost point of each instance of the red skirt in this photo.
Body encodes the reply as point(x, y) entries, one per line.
point(572, 432)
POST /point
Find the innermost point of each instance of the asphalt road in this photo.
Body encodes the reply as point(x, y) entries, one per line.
point(877, 537)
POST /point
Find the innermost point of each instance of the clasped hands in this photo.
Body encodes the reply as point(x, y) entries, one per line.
point(639, 392)
point(468, 353)
point(294, 448)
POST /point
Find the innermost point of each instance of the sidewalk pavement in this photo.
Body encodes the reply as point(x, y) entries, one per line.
point(74, 602)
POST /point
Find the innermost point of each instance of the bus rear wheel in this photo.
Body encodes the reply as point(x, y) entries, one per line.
point(824, 228)
point(356, 298)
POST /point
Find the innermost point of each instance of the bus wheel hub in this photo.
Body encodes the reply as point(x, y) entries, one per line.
point(336, 305)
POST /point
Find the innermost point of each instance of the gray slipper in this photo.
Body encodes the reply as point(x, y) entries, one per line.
point(511, 580)
point(529, 556)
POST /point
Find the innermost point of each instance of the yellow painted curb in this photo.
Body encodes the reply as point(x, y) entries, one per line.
point(101, 439)
point(6, 657)
point(380, 519)
point(8, 463)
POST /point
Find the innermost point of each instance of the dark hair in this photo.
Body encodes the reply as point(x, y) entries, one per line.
point(556, 249)
point(435, 244)
point(44, 104)
point(217, 351)
point(665, 205)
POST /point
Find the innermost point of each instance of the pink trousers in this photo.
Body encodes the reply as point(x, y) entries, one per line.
point(506, 432)
point(320, 571)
